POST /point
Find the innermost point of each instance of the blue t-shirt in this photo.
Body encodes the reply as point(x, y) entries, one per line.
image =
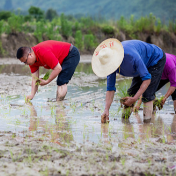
point(138, 56)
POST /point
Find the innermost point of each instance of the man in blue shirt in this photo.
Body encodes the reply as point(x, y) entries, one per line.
point(142, 61)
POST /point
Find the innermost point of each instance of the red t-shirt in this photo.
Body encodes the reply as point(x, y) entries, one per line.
point(49, 53)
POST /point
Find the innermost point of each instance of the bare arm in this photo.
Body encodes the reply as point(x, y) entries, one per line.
point(53, 75)
point(138, 104)
point(131, 100)
point(109, 99)
point(34, 87)
point(168, 93)
point(142, 88)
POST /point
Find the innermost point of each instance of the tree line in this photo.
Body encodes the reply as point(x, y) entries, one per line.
point(85, 31)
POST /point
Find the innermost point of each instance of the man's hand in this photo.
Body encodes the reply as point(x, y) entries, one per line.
point(163, 102)
point(105, 117)
point(43, 82)
point(28, 98)
point(128, 101)
point(136, 108)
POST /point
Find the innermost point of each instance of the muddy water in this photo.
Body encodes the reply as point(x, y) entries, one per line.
point(79, 115)
point(47, 137)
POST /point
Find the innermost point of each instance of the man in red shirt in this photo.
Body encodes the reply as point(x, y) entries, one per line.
point(61, 57)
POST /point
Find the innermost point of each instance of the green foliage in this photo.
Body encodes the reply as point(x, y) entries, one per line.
point(172, 26)
point(143, 24)
point(50, 14)
point(158, 103)
point(109, 9)
point(159, 26)
point(51, 31)
point(4, 15)
point(36, 13)
point(27, 18)
point(79, 40)
point(123, 91)
point(77, 26)
point(107, 29)
point(1, 26)
point(66, 28)
point(39, 30)
point(86, 22)
point(89, 41)
point(46, 76)
point(122, 23)
point(15, 24)
point(2, 51)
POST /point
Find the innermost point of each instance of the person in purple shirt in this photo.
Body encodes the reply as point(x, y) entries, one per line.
point(142, 61)
point(168, 75)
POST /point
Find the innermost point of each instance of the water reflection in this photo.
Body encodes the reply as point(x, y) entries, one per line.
point(156, 129)
point(78, 117)
point(58, 132)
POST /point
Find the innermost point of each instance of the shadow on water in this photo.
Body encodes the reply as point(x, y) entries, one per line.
point(77, 118)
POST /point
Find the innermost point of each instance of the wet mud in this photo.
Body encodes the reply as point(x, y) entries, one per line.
point(52, 138)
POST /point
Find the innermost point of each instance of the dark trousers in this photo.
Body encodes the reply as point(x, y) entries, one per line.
point(156, 73)
point(68, 67)
point(162, 83)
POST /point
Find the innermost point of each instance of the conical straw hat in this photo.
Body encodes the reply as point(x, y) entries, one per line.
point(107, 57)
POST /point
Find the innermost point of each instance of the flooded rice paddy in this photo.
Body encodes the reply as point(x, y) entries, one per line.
point(46, 137)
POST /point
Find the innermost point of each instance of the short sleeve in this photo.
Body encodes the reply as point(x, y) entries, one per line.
point(33, 68)
point(111, 80)
point(172, 77)
point(141, 68)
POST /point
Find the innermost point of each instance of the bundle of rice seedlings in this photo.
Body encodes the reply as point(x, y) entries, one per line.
point(158, 103)
point(46, 76)
point(127, 110)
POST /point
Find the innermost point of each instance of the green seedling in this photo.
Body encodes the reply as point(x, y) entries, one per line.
point(46, 76)
point(127, 110)
point(158, 103)
point(28, 101)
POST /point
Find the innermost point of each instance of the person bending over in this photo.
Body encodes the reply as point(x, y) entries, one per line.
point(61, 57)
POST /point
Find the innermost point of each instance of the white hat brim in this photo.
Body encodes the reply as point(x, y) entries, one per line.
point(103, 70)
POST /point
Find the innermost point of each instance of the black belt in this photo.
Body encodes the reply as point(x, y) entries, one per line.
point(71, 47)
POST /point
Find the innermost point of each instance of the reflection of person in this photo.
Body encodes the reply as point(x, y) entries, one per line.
point(173, 126)
point(59, 131)
point(105, 131)
point(133, 58)
point(61, 57)
point(168, 75)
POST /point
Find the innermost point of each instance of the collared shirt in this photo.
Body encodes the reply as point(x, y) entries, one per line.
point(138, 56)
point(49, 53)
point(169, 71)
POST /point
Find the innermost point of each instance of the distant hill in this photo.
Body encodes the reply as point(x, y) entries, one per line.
point(110, 9)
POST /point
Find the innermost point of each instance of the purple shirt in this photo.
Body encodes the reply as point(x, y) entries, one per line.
point(169, 71)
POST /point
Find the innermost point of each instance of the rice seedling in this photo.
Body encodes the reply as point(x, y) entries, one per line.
point(46, 76)
point(123, 161)
point(127, 110)
point(158, 103)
